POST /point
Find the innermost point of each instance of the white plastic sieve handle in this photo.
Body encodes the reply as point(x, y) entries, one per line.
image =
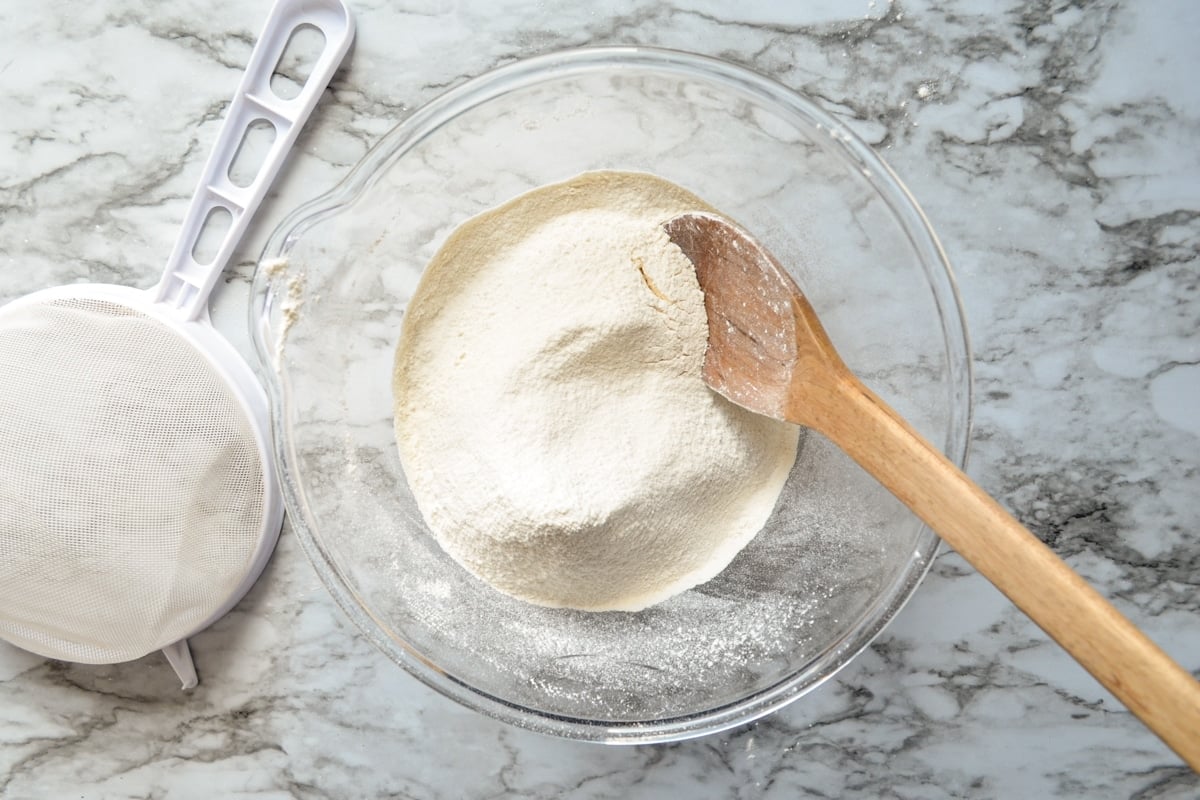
point(186, 284)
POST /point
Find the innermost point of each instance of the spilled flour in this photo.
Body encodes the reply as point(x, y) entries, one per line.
point(549, 408)
point(292, 304)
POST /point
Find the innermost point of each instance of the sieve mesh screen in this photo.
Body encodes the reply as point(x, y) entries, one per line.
point(131, 486)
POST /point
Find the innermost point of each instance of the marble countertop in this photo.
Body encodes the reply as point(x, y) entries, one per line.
point(1056, 153)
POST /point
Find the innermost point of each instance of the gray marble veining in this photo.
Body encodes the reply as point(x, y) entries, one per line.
point(1055, 149)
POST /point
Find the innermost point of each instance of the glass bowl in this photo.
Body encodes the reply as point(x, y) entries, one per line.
point(839, 556)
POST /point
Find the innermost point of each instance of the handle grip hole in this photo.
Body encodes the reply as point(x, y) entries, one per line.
point(212, 234)
point(251, 152)
point(296, 63)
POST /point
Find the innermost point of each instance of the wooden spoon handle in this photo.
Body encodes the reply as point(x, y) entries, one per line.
point(1143, 677)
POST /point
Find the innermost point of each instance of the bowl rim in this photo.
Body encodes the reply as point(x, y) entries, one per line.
point(522, 74)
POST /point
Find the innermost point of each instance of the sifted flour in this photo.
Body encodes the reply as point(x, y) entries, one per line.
point(549, 410)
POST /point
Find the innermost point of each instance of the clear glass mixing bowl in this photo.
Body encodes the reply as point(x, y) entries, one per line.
point(839, 556)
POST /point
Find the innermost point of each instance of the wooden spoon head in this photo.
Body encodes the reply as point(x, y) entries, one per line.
point(761, 330)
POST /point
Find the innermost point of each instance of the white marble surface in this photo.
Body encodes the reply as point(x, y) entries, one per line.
point(1056, 152)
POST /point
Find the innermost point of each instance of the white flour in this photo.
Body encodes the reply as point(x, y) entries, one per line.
point(549, 410)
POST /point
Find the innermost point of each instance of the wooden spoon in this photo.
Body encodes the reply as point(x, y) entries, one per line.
point(768, 352)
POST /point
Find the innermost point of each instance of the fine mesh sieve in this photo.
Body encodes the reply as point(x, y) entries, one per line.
point(138, 497)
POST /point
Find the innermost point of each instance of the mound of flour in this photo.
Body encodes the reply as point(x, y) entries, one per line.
point(551, 418)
